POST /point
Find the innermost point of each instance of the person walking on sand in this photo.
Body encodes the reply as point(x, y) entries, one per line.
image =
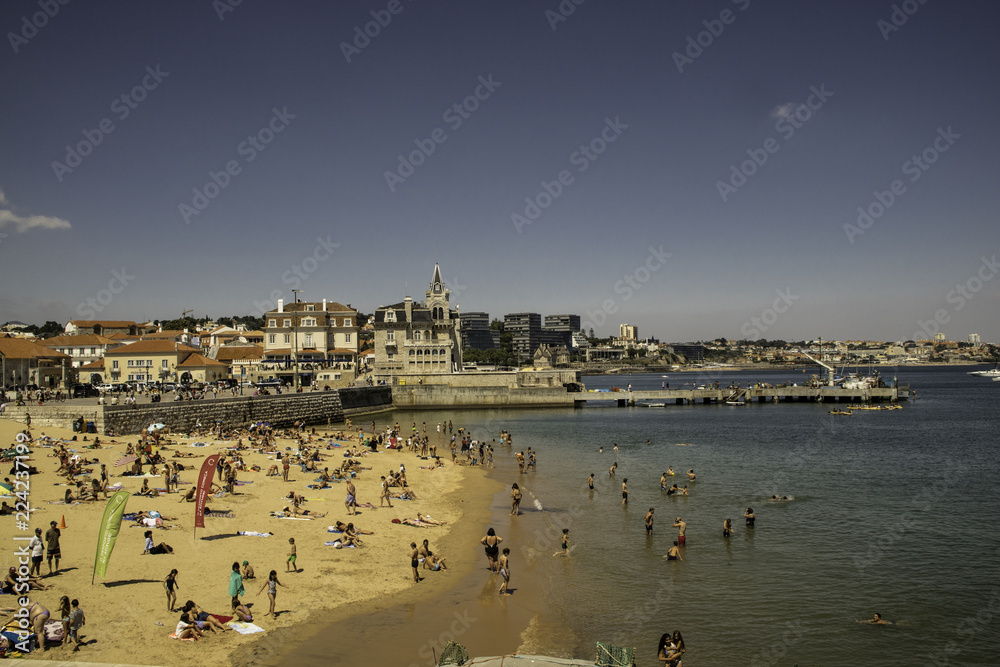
point(52, 544)
point(271, 585)
point(351, 502)
point(170, 584)
point(235, 585)
point(290, 565)
point(649, 521)
point(681, 526)
point(384, 497)
point(77, 619)
point(505, 571)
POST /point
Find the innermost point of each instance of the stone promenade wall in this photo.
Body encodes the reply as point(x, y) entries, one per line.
point(182, 416)
point(438, 396)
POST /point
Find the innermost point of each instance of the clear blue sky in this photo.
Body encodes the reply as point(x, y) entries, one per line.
point(669, 129)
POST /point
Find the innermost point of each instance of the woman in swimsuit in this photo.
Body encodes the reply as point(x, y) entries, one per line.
point(271, 585)
point(242, 612)
point(170, 583)
point(64, 611)
point(492, 550)
point(515, 500)
point(37, 617)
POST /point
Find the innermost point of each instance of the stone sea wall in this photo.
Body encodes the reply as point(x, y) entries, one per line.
point(318, 407)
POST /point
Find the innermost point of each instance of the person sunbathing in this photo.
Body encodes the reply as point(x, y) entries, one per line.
point(342, 527)
point(202, 618)
point(11, 580)
point(428, 520)
point(298, 511)
point(184, 455)
point(403, 495)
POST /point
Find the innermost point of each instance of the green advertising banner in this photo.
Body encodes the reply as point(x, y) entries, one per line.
point(108, 533)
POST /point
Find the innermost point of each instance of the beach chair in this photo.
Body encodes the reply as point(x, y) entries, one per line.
point(453, 654)
point(609, 655)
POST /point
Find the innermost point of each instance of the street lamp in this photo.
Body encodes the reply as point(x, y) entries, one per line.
point(295, 343)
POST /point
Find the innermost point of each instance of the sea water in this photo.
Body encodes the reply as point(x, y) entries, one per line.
point(891, 511)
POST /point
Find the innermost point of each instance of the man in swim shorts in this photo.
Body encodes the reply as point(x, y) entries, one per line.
point(681, 526)
point(290, 566)
point(649, 521)
point(674, 553)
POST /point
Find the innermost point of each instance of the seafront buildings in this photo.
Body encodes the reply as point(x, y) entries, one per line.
point(418, 338)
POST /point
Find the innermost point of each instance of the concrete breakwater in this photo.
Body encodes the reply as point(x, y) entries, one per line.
point(183, 416)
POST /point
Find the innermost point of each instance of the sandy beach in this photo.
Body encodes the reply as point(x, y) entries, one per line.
point(127, 616)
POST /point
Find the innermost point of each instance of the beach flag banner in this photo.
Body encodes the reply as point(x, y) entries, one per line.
point(108, 533)
point(205, 478)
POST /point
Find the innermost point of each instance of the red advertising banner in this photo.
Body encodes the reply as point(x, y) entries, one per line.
point(205, 478)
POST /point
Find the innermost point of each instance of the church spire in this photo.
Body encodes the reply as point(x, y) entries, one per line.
point(437, 276)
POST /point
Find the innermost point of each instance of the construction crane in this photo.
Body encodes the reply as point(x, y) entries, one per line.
point(186, 313)
point(830, 379)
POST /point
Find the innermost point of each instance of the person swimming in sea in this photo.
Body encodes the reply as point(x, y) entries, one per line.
point(876, 620)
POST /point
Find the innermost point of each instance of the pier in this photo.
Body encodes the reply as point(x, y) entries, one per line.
point(821, 394)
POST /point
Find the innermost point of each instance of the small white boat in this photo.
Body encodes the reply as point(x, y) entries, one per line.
point(735, 403)
point(996, 379)
point(992, 373)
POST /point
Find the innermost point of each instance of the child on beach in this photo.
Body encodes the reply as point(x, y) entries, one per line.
point(271, 585)
point(505, 571)
point(77, 620)
point(170, 584)
point(290, 565)
point(564, 551)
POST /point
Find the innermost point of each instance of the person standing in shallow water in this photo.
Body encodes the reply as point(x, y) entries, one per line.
point(515, 500)
point(590, 481)
point(750, 517)
point(649, 521)
point(492, 550)
point(625, 492)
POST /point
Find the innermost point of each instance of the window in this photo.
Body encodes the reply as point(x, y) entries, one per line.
point(309, 340)
point(416, 335)
point(309, 322)
point(164, 364)
point(347, 321)
point(310, 307)
point(288, 339)
point(347, 338)
point(272, 323)
point(412, 353)
point(271, 337)
point(390, 336)
point(390, 316)
point(287, 323)
point(114, 364)
point(93, 351)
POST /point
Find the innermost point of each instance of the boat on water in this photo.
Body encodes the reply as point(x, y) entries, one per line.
point(735, 403)
point(992, 373)
point(841, 412)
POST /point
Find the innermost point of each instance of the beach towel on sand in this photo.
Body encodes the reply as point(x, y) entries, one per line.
point(245, 628)
point(337, 544)
point(186, 639)
point(253, 533)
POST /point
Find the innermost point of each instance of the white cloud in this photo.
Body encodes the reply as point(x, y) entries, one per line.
point(22, 223)
point(785, 110)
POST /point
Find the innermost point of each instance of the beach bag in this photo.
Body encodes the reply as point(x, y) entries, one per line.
point(54, 632)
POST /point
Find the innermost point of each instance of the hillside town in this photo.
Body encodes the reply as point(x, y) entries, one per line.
point(325, 344)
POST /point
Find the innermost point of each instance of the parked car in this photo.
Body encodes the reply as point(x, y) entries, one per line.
point(80, 390)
